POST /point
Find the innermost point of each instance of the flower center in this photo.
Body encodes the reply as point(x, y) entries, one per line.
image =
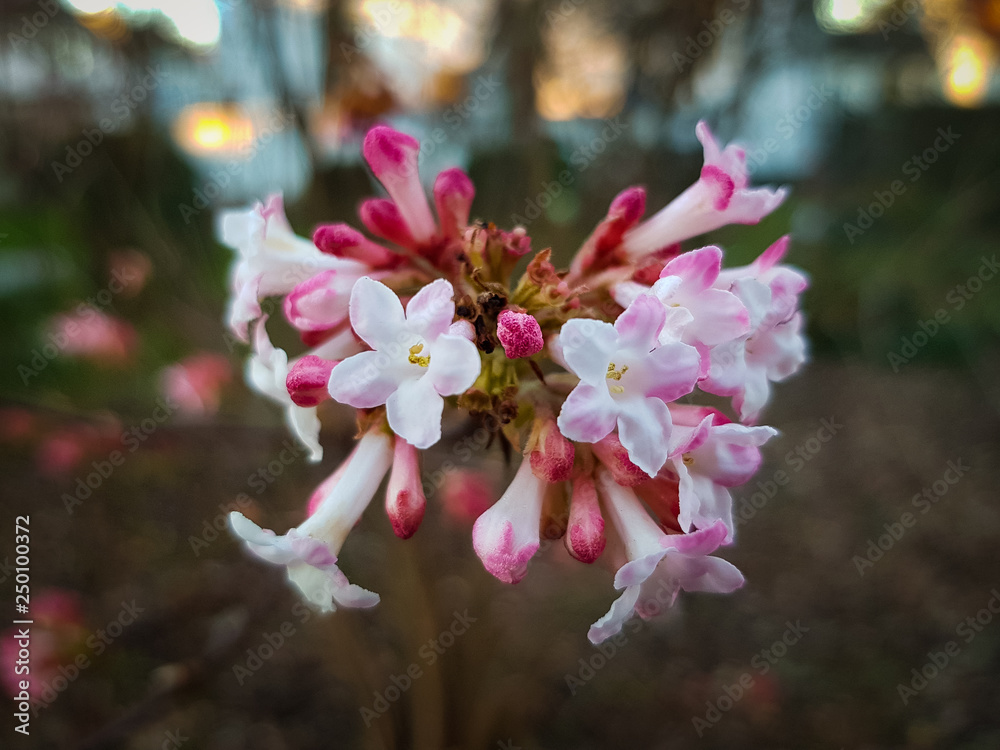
point(416, 359)
point(613, 374)
point(688, 459)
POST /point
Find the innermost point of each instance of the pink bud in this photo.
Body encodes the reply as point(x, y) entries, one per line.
point(393, 158)
point(308, 379)
point(612, 454)
point(585, 538)
point(319, 303)
point(404, 497)
point(520, 334)
point(453, 194)
point(551, 454)
point(383, 219)
point(346, 242)
point(599, 250)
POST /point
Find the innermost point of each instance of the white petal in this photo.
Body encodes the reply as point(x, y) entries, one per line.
point(455, 364)
point(414, 412)
point(376, 313)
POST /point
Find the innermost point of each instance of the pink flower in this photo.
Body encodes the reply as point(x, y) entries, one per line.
point(195, 383)
point(56, 637)
point(697, 313)
point(657, 565)
point(774, 348)
point(320, 303)
point(94, 335)
point(271, 259)
point(415, 360)
point(519, 334)
point(626, 381)
point(506, 536)
point(721, 196)
point(393, 158)
point(309, 551)
point(709, 456)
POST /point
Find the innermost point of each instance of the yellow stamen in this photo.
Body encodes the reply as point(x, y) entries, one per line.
point(613, 374)
point(688, 459)
point(416, 359)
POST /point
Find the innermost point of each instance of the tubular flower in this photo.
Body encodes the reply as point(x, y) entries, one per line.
point(309, 551)
point(578, 370)
point(720, 196)
point(657, 565)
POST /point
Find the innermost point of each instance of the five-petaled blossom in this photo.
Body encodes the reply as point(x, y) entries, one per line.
point(579, 370)
point(415, 359)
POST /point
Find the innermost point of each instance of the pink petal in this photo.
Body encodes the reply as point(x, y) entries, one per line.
point(699, 268)
point(382, 218)
point(640, 325)
point(671, 371)
point(431, 310)
point(588, 413)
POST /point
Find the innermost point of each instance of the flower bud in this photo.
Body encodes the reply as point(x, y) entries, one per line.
point(613, 454)
point(307, 380)
point(453, 194)
point(343, 241)
point(585, 538)
point(550, 453)
point(382, 218)
point(520, 334)
point(404, 497)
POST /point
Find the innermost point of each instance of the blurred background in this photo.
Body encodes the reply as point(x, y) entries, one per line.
point(869, 542)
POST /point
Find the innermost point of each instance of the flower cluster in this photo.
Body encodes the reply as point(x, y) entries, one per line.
point(586, 372)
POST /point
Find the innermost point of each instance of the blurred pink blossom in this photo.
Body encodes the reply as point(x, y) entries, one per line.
point(195, 382)
point(91, 334)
